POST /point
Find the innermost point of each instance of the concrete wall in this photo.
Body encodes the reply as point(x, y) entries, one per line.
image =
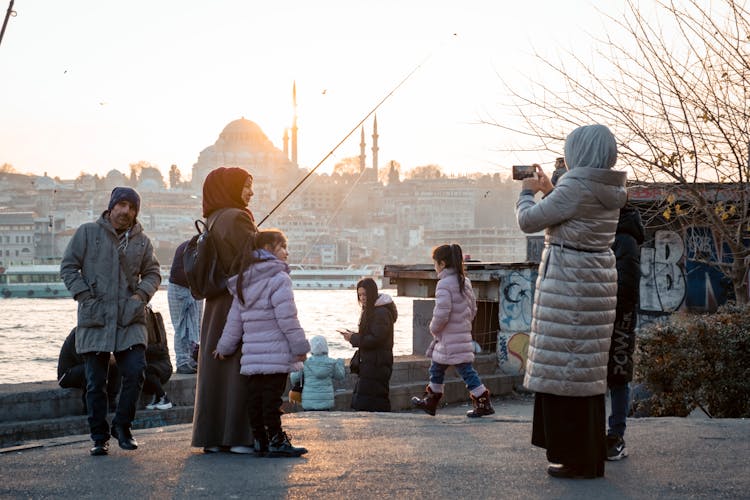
point(42, 410)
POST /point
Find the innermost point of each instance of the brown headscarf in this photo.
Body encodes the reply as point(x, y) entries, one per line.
point(223, 189)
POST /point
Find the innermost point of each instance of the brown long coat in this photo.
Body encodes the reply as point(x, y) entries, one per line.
point(220, 416)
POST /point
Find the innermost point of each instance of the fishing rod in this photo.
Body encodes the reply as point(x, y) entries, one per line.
point(354, 129)
point(8, 14)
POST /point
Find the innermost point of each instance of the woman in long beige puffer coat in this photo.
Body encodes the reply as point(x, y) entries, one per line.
point(574, 302)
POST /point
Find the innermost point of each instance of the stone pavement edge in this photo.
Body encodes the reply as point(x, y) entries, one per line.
point(391, 455)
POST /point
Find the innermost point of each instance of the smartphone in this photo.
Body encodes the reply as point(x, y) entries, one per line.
point(523, 171)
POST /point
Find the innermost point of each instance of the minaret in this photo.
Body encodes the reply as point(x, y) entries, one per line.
point(286, 143)
point(294, 124)
point(362, 151)
point(375, 148)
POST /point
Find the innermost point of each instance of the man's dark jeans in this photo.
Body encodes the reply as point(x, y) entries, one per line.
point(75, 378)
point(132, 364)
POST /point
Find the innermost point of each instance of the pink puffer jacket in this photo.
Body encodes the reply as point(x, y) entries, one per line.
point(451, 321)
point(266, 323)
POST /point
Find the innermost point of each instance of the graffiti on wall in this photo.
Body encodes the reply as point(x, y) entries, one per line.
point(512, 351)
point(674, 276)
point(516, 302)
point(663, 284)
point(708, 286)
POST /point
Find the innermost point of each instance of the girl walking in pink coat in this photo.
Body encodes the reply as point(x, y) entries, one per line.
point(452, 345)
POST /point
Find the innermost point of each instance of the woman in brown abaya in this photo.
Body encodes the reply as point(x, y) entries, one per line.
point(220, 419)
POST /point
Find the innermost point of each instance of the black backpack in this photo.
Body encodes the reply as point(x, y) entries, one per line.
point(205, 275)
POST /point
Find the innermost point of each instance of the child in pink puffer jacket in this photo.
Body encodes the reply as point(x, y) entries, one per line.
point(452, 344)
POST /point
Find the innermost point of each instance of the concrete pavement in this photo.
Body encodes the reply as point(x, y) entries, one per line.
point(404, 455)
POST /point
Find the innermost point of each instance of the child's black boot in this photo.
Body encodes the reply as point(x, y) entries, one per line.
point(279, 446)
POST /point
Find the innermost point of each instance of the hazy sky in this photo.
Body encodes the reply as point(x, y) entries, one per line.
point(96, 85)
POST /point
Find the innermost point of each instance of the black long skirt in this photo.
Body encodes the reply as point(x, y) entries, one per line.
point(572, 430)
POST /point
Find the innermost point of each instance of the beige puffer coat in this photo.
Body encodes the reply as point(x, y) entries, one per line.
point(576, 290)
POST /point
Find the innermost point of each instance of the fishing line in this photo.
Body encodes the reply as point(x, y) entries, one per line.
point(354, 129)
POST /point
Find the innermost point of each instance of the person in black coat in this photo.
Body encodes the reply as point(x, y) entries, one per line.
point(158, 370)
point(71, 372)
point(628, 240)
point(374, 339)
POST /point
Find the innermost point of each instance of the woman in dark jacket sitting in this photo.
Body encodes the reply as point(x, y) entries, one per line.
point(375, 342)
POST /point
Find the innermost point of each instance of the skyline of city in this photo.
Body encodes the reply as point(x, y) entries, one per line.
point(123, 84)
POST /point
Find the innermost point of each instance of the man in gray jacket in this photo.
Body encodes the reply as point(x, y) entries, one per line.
point(110, 269)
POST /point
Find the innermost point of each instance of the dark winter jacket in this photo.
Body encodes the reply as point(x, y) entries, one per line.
point(375, 342)
point(68, 356)
point(629, 237)
point(157, 358)
point(109, 319)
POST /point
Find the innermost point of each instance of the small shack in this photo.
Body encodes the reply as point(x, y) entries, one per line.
point(504, 293)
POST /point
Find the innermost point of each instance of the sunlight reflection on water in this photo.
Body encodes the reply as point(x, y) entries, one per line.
point(32, 330)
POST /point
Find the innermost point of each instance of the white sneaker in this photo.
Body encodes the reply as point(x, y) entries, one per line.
point(163, 404)
point(152, 404)
point(242, 450)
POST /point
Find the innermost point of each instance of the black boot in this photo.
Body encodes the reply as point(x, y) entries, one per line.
point(124, 437)
point(482, 406)
point(279, 446)
point(428, 402)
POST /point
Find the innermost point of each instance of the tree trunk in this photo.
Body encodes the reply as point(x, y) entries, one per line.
point(739, 275)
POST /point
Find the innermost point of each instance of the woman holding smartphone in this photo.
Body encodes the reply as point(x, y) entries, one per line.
point(374, 339)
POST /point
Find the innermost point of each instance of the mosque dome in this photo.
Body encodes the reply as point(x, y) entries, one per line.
point(244, 134)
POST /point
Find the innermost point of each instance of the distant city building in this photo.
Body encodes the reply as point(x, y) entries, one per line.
point(16, 238)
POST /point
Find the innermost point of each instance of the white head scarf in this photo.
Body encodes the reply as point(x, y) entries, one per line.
point(318, 345)
point(591, 146)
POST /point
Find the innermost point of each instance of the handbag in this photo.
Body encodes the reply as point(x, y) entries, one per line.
point(354, 363)
point(295, 394)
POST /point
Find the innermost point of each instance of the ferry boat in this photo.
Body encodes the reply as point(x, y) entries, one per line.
point(323, 277)
point(32, 281)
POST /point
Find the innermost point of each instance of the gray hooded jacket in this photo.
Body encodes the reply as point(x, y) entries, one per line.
point(576, 289)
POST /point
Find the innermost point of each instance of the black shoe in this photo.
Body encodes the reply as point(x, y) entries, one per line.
point(124, 437)
point(616, 448)
point(101, 447)
point(186, 370)
point(569, 472)
point(279, 446)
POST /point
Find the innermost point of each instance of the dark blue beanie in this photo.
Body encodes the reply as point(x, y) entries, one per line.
point(125, 194)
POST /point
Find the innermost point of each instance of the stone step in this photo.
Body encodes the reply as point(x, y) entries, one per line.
point(42, 410)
